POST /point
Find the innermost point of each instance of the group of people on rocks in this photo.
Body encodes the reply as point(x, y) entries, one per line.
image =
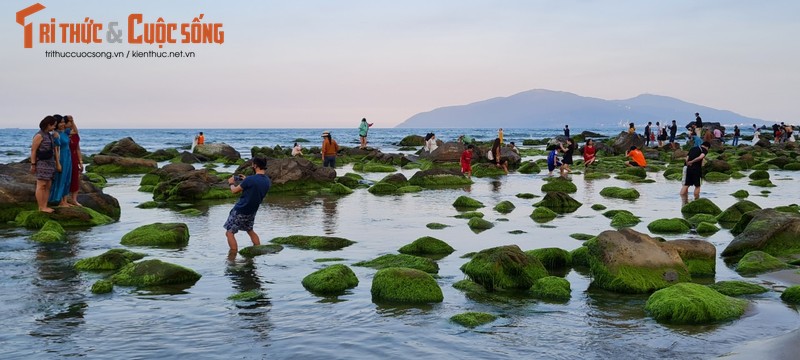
point(57, 162)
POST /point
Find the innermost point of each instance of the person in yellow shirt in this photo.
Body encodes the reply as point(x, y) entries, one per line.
point(500, 135)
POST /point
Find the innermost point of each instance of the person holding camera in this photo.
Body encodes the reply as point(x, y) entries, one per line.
point(253, 188)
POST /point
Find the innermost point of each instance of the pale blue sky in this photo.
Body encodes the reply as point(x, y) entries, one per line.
point(330, 63)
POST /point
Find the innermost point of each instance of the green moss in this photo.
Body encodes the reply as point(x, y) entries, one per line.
point(427, 245)
point(374, 167)
point(792, 166)
point(158, 234)
point(71, 217)
point(758, 262)
point(466, 202)
point(332, 280)
point(469, 286)
point(737, 288)
point(705, 228)
point(150, 179)
point(762, 166)
point(762, 183)
point(717, 177)
point(401, 260)
point(580, 256)
point(624, 219)
point(559, 202)
point(409, 189)
point(552, 258)
point(334, 259)
point(249, 295)
point(477, 223)
point(436, 226)
point(487, 170)
point(542, 214)
point(469, 215)
point(620, 193)
point(148, 205)
point(102, 287)
point(526, 196)
point(382, 188)
point(97, 179)
point(110, 260)
point(561, 185)
point(152, 273)
point(51, 232)
point(736, 175)
point(146, 188)
point(347, 181)
point(581, 236)
point(700, 206)
point(472, 319)
point(404, 285)
point(339, 189)
point(689, 303)
point(256, 250)
point(598, 207)
point(669, 226)
point(595, 176)
point(759, 175)
point(190, 212)
point(439, 180)
point(310, 242)
point(529, 167)
point(698, 218)
point(791, 294)
point(551, 288)
point(504, 267)
point(504, 207)
point(116, 169)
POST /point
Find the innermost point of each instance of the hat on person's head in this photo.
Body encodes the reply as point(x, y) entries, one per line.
point(326, 133)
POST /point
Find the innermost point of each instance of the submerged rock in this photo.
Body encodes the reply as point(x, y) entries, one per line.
point(737, 288)
point(102, 287)
point(551, 288)
point(504, 268)
point(401, 260)
point(256, 250)
point(67, 217)
point(158, 234)
point(110, 260)
point(332, 280)
point(472, 319)
point(427, 245)
point(51, 232)
point(311, 242)
point(758, 262)
point(405, 285)
point(689, 303)
point(154, 272)
point(559, 202)
point(434, 178)
point(249, 295)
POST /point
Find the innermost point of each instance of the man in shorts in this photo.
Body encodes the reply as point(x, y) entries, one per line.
point(243, 214)
point(694, 169)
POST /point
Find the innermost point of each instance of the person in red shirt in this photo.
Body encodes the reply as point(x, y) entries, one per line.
point(589, 152)
point(466, 161)
point(637, 158)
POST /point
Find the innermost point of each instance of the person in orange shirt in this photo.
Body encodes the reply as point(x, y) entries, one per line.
point(201, 139)
point(329, 150)
point(637, 158)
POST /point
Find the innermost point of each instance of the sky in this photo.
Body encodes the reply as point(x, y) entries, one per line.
point(327, 64)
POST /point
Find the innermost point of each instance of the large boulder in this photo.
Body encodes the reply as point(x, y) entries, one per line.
point(631, 262)
point(190, 185)
point(110, 260)
point(158, 234)
point(559, 202)
point(125, 147)
point(412, 140)
point(67, 217)
point(153, 273)
point(773, 232)
point(625, 140)
point(404, 285)
point(690, 303)
point(434, 178)
point(734, 213)
point(700, 256)
point(218, 151)
point(447, 152)
point(112, 164)
point(297, 173)
point(504, 268)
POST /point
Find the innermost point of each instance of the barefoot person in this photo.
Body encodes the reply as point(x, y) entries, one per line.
point(43, 163)
point(589, 153)
point(77, 160)
point(466, 161)
point(363, 130)
point(243, 214)
point(637, 158)
point(329, 150)
point(59, 191)
point(496, 158)
point(694, 169)
point(567, 159)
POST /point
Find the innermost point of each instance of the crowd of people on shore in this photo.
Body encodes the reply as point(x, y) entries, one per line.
point(57, 162)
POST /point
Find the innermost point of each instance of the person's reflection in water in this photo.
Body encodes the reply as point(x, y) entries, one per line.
point(60, 284)
point(254, 310)
point(496, 185)
point(330, 216)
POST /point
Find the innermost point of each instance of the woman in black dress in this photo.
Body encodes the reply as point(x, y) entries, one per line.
point(567, 160)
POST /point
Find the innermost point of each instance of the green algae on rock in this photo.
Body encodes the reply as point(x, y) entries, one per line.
point(438, 178)
point(559, 202)
point(154, 272)
point(620, 193)
point(580, 256)
point(552, 258)
point(776, 233)
point(401, 260)
point(529, 167)
point(110, 260)
point(552, 288)
point(705, 228)
point(791, 294)
point(700, 256)
point(466, 202)
point(331, 280)
point(762, 183)
point(249, 295)
point(102, 287)
point(504, 268)
point(700, 206)
point(696, 219)
point(581, 236)
point(759, 175)
point(598, 207)
point(51, 232)
point(472, 319)
point(312, 242)
point(526, 196)
point(624, 219)
point(427, 245)
point(542, 214)
point(669, 226)
point(469, 215)
point(689, 303)
point(158, 234)
point(504, 207)
point(436, 226)
point(67, 217)
point(404, 285)
point(561, 185)
point(759, 262)
point(477, 223)
point(717, 177)
point(737, 288)
point(256, 250)
point(382, 188)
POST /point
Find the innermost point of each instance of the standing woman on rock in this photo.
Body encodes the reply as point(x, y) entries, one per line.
point(77, 160)
point(329, 150)
point(43, 162)
point(60, 189)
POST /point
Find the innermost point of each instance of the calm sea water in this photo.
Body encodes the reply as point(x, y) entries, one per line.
point(48, 311)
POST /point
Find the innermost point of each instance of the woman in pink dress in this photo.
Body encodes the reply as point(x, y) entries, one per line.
point(77, 160)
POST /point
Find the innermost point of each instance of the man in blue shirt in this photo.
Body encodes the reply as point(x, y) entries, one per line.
point(243, 214)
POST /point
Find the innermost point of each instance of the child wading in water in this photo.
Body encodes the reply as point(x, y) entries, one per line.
point(552, 160)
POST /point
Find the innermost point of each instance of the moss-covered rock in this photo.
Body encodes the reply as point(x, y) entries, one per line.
point(427, 245)
point(552, 288)
point(438, 178)
point(580, 256)
point(332, 280)
point(68, 217)
point(51, 232)
point(472, 319)
point(717, 177)
point(559, 202)
point(599, 207)
point(759, 175)
point(791, 294)
point(466, 202)
point(624, 219)
point(148, 205)
point(504, 267)
point(312, 242)
point(102, 287)
point(699, 256)
point(409, 189)
point(740, 194)
point(638, 172)
point(776, 233)
point(698, 218)
point(404, 285)
point(249, 295)
point(669, 226)
point(436, 226)
point(762, 183)
point(620, 193)
point(552, 258)
point(542, 214)
point(705, 229)
point(529, 167)
point(689, 303)
point(487, 170)
point(110, 260)
point(700, 206)
point(382, 188)
point(256, 250)
point(401, 260)
point(504, 207)
point(412, 140)
point(792, 166)
point(477, 223)
point(561, 185)
point(581, 236)
point(758, 262)
point(158, 234)
point(374, 167)
point(339, 189)
point(737, 288)
point(595, 176)
point(153, 273)
point(97, 179)
point(526, 196)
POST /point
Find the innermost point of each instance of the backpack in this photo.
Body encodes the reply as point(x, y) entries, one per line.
point(489, 155)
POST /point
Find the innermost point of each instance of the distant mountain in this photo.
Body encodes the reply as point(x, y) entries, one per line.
point(554, 109)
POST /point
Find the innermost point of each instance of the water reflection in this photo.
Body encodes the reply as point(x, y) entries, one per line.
point(330, 217)
point(254, 312)
point(57, 292)
point(496, 183)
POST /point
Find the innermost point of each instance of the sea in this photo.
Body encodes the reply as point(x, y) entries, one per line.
point(48, 311)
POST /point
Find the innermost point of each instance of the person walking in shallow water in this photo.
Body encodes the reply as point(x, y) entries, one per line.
point(242, 217)
point(694, 170)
